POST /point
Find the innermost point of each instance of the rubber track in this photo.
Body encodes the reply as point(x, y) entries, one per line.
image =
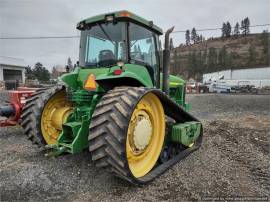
point(109, 125)
point(31, 114)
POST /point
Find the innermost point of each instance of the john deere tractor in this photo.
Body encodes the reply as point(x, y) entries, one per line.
point(117, 102)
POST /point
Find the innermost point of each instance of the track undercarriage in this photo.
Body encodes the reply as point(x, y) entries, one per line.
point(106, 145)
point(109, 131)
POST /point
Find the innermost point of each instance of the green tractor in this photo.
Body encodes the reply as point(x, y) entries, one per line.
point(117, 102)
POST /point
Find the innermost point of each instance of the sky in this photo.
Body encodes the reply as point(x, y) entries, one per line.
point(31, 18)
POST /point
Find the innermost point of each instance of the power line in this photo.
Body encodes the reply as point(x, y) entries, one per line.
point(213, 29)
point(72, 37)
point(42, 37)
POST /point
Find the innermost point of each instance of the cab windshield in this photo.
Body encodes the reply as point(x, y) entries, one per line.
point(103, 45)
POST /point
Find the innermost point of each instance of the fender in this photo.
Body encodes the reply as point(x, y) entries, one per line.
point(126, 78)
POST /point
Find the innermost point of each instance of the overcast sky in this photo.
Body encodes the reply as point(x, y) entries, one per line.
point(24, 18)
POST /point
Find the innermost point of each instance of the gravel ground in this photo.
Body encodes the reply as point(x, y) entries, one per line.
point(234, 160)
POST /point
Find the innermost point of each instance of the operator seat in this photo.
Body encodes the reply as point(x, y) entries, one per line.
point(106, 58)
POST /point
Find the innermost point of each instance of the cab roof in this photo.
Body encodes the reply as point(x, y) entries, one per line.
point(123, 14)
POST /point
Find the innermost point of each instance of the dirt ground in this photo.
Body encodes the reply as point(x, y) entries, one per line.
point(233, 161)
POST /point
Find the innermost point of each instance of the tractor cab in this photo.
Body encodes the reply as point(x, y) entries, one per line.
point(121, 37)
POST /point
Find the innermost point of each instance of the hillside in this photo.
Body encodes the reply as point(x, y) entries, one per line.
point(220, 53)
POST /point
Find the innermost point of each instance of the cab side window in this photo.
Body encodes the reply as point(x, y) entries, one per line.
point(143, 48)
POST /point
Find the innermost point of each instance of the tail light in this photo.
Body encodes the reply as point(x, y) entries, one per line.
point(117, 72)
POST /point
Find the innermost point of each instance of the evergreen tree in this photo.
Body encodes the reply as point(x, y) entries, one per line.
point(40, 72)
point(228, 29)
point(242, 26)
point(245, 24)
point(236, 31)
point(223, 30)
point(187, 37)
point(193, 35)
point(29, 73)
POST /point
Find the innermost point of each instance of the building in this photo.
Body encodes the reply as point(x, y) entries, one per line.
point(259, 77)
point(12, 70)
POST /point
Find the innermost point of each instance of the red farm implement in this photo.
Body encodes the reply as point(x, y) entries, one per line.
point(12, 108)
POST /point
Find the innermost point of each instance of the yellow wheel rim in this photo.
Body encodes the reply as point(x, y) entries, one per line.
point(145, 137)
point(55, 113)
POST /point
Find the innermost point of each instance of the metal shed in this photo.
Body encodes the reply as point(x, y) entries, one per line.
point(12, 70)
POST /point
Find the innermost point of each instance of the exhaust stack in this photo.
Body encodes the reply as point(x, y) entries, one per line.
point(166, 59)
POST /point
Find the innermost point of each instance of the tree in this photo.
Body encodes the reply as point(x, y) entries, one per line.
point(223, 30)
point(193, 35)
point(187, 37)
point(29, 73)
point(40, 72)
point(228, 29)
point(236, 31)
point(242, 26)
point(245, 24)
